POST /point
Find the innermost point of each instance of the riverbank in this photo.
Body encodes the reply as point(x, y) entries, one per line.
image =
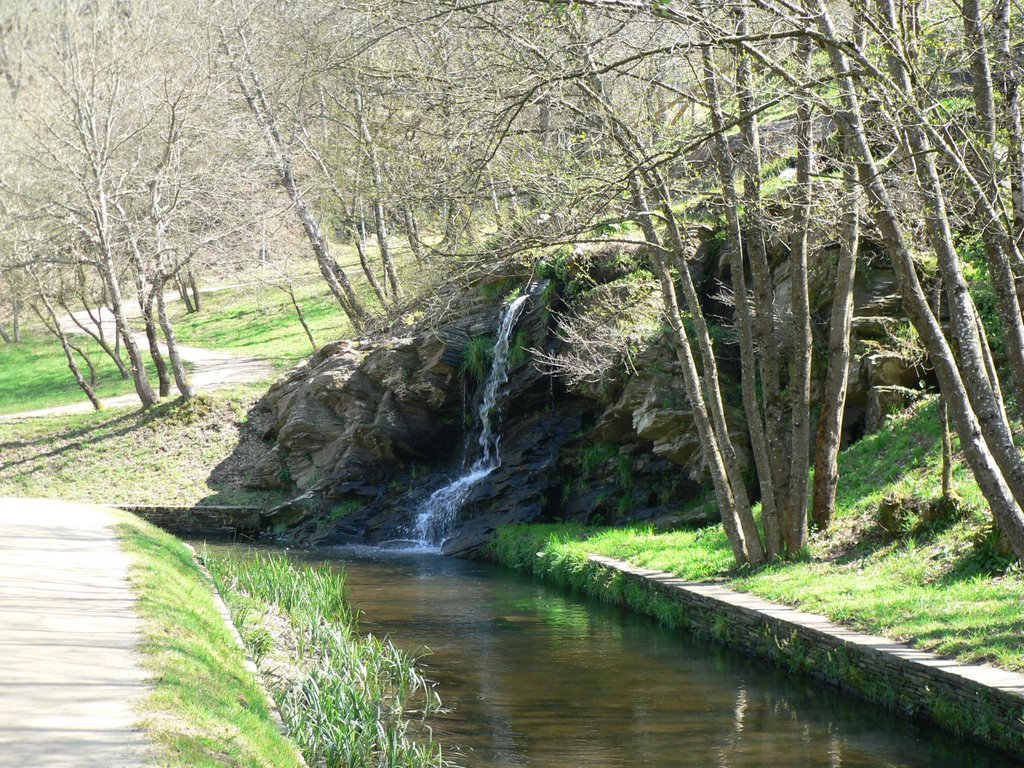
point(206, 708)
point(896, 563)
point(347, 698)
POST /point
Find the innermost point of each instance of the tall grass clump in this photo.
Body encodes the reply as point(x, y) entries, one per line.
point(347, 699)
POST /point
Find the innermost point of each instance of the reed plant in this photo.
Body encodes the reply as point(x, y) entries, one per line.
point(350, 699)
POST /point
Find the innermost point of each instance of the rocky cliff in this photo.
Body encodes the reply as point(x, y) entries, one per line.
point(595, 424)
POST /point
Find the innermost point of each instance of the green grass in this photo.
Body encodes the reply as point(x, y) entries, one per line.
point(34, 374)
point(942, 586)
point(173, 454)
point(348, 699)
point(259, 321)
point(206, 709)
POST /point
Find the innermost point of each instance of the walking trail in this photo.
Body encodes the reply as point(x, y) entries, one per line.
point(70, 677)
point(209, 370)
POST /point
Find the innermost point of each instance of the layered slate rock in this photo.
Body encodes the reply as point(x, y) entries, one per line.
point(365, 430)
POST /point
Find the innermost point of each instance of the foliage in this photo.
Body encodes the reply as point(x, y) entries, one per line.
point(477, 357)
point(517, 350)
point(350, 700)
point(206, 709)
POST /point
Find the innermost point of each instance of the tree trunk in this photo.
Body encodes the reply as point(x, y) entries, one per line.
point(16, 319)
point(153, 339)
point(983, 159)
point(1005, 508)
point(763, 312)
point(53, 325)
point(1009, 78)
point(97, 335)
point(380, 222)
point(302, 316)
point(197, 298)
point(4, 336)
point(830, 423)
point(332, 273)
point(181, 377)
point(795, 515)
point(770, 513)
point(412, 233)
point(368, 270)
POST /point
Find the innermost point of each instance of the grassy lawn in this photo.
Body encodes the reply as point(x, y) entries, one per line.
point(260, 321)
point(943, 585)
point(172, 454)
point(34, 374)
point(206, 708)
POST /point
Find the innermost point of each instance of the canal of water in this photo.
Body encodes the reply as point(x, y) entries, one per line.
point(533, 676)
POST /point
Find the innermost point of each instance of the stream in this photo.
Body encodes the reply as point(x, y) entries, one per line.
point(533, 676)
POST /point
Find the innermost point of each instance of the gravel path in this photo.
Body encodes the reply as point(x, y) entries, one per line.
point(70, 677)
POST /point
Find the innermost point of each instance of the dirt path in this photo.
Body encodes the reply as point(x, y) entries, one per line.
point(70, 677)
point(210, 370)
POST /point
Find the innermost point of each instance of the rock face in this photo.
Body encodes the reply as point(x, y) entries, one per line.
point(364, 431)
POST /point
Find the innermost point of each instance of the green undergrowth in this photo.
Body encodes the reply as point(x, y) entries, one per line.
point(347, 699)
point(941, 583)
point(174, 454)
point(34, 374)
point(206, 708)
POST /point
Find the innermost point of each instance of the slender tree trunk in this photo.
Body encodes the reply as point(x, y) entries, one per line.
point(974, 359)
point(52, 323)
point(770, 513)
point(989, 474)
point(197, 297)
point(186, 298)
point(252, 90)
point(360, 239)
point(97, 335)
point(380, 221)
point(301, 315)
point(800, 366)
point(142, 386)
point(830, 423)
point(4, 336)
point(984, 161)
point(16, 319)
point(153, 339)
point(181, 377)
point(412, 233)
point(763, 311)
point(1009, 77)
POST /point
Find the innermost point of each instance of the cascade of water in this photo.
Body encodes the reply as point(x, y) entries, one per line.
point(435, 517)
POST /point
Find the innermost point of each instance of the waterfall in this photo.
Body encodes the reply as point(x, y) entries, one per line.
point(437, 514)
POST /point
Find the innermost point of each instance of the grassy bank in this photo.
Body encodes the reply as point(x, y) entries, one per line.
point(348, 699)
point(173, 454)
point(206, 709)
point(895, 563)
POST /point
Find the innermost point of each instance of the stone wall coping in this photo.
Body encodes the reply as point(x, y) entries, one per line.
point(1005, 682)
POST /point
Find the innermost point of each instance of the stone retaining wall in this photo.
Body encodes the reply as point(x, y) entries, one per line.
point(969, 699)
point(215, 522)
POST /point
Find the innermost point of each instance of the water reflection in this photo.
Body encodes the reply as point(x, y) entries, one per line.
point(538, 678)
